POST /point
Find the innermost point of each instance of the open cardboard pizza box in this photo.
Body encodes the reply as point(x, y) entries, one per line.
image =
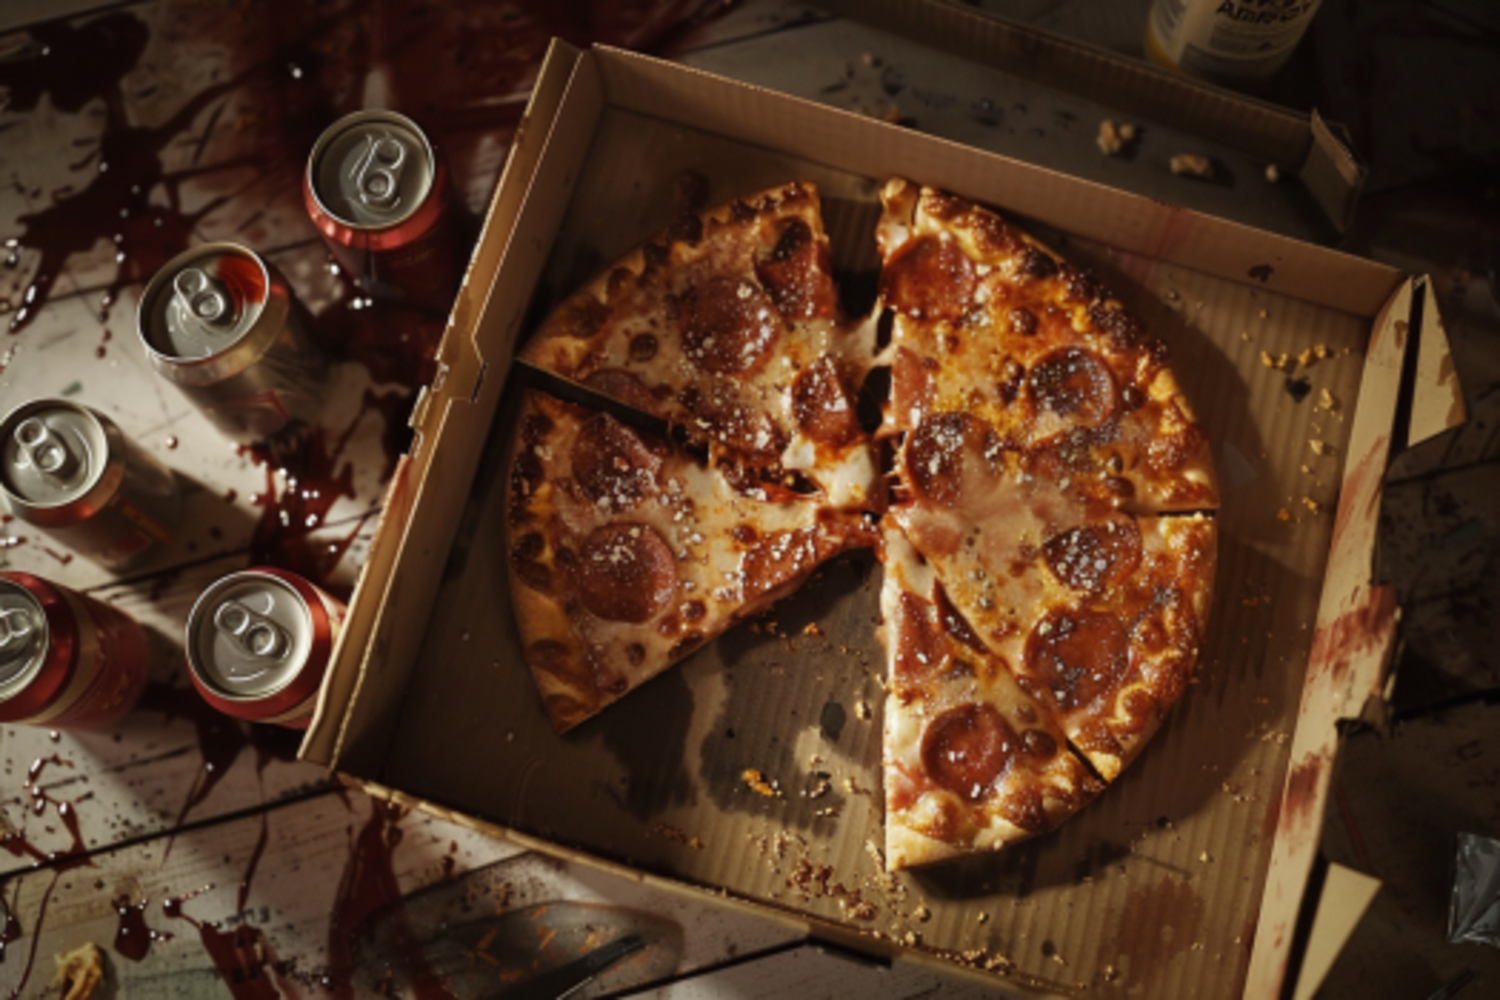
point(1187, 876)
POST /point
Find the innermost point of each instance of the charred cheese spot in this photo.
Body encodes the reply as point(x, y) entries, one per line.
point(1023, 807)
point(796, 274)
point(612, 465)
point(625, 572)
point(580, 317)
point(966, 749)
point(1038, 745)
point(729, 326)
point(1035, 263)
point(823, 405)
point(951, 456)
point(1023, 322)
point(1077, 655)
point(1075, 384)
point(929, 278)
point(1091, 558)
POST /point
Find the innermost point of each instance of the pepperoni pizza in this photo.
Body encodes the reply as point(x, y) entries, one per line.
point(1045, 516)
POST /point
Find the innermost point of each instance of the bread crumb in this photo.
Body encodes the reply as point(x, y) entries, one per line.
point(983, 917)
point(1113, 138)
point(1326, 400)
point(812, 629)
point(1191, 165)
point(1311, 504)
point(1283, 515)
point(1273, 173)
point(862, 709)
point(1204, 857)
point(758, 783)
point(922, 914)
point(1320, 447)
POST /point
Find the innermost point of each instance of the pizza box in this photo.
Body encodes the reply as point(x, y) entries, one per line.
point(1188, 875)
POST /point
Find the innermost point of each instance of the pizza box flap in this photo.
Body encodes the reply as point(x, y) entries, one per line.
point(431, 702)
point(466, 356)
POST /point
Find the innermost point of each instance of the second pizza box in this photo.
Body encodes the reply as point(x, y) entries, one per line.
point(752, 770)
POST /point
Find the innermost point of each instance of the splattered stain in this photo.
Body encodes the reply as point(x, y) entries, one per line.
point(1262, 272)
point(1367, 627)
point(1156, 924)
point(1301, 794)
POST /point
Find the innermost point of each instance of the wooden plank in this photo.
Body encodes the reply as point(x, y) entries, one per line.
point(298, 899)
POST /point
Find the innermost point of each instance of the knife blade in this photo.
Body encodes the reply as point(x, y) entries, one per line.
point(527, 375)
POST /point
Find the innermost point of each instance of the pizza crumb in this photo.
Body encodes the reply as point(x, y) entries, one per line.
point(910, 939)
point(862, 709)
point(1112, 139)
point(1273, 173)
point(758, 783)
point(1191, 165)
point(1245, 336)
point(1320, 447)
point(921, 913)
point(1283, 515)
point(812, 629)
point(1110, 973)
point(983, 917)
point(1327, 401)
point(820, 788)
point(1312, 505)
point(1204, 857)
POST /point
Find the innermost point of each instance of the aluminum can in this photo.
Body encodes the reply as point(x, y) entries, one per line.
point(71, 472)
point(380, 195)
point(67, 661)
point(259, 642)
point(221, 324)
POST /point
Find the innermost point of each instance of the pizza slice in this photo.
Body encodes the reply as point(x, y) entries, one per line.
point(972, 760)
point(1097, 613)
point(727, 326)
point(626, 554)
point(990, 324)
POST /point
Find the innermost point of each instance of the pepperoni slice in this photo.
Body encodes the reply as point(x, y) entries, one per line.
point(1074, 383)
point(625, 572)
point(948, 458)
point(917, 653)
point(796, 274)
point(823, 405)
point(729, 326)
point(1091, 558)
point(778, 557)
point(612, 465)
point(1078, 655)
point(622, 385)
point(911, 386)
point(930, 278)
point(966, 749)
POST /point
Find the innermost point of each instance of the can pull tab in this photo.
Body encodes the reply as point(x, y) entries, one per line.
point(43, 449)
point(377, 173)
point(253, 632)
point(17, 626)
point(206, 299)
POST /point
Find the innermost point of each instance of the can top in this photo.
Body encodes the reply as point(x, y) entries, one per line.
point(249, 635)
point(51, 452)
point(24, 636)
point(371, 169)
point(204, 302)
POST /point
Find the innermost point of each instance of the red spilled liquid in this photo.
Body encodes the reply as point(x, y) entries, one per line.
point(12, 931)
point(260, 847)
point(368, 886)
point(243, 957)
point(19, 844)
point(221, 739)
point(132, 936)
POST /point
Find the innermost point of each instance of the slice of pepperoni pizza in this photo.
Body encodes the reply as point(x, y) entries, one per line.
point(1098, 613)
point(626, 554)
point(727, 326)
point(972, 760)
point(991, 324)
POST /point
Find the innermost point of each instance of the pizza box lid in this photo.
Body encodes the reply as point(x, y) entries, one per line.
point(427, 701)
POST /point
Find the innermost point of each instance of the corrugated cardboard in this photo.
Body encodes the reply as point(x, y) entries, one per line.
point(1154, 889)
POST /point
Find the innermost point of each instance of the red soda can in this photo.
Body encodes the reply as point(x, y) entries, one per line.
point(67, 661)
point(259, 642)
point(70, 471)
point(380, 196)
point(221, 324)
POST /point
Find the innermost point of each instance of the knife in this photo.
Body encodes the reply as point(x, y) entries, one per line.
point(565, 980)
